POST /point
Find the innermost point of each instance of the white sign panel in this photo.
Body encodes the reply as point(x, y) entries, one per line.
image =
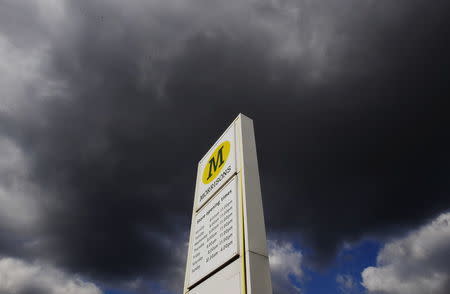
point(215, 233)
point(217, 166)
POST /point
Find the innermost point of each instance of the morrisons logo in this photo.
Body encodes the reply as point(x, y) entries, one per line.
point(216, 162)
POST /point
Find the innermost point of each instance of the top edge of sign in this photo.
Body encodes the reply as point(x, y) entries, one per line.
point(223, 134)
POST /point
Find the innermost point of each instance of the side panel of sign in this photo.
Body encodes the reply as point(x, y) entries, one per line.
point(215, 233)
point(218, 165)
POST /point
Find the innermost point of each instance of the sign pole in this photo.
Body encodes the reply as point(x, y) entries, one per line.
point(227, 246)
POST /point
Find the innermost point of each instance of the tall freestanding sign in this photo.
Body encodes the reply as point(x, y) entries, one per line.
point(227, 245)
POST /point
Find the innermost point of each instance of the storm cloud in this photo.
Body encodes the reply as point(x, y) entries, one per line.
point(107, 107)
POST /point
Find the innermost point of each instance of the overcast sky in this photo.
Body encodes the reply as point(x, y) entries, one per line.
point(106, 106)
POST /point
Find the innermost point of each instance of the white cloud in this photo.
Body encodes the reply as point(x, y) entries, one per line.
point(17, 276)
point(416, 264)
point(346, 284)
point(285, 262)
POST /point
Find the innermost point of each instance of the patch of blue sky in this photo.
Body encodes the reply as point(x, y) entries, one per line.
point(351, 260)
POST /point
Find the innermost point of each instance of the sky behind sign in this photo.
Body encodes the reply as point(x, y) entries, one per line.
point(106, 107)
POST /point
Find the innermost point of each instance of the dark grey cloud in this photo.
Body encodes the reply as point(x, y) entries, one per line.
point(349, 100)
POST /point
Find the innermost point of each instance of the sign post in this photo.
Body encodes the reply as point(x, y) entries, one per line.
point(227, 245)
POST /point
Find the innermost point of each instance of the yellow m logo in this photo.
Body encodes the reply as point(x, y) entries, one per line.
point(216, 162)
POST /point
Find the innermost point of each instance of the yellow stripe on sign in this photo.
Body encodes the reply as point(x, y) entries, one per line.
point(241, 211)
